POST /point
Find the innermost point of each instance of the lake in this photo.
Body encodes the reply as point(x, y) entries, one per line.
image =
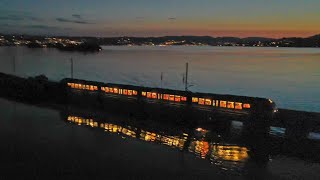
point(289, 76)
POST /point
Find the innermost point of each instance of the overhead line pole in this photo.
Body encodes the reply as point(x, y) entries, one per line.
point(71, 61)
point(186, 80)
point(14, 64)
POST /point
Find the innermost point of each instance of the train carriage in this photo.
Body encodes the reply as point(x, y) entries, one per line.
point(215, 103)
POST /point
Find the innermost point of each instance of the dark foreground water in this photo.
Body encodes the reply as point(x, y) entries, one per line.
point(51, 141)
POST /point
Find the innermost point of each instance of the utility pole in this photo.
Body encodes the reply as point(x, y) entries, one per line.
point(71, 61)
point(186, 80)
point(14, 65)
point(161, 77)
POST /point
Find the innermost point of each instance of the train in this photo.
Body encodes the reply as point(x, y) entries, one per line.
point(222, 103)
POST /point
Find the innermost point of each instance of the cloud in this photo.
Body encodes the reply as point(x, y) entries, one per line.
point(73, 21)
point(41, 27)
point(20, 17)
point(139, 19)
point(172, 18)
point(78, 16)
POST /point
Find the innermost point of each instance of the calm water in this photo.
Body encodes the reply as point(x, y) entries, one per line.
point(42, 141)
point(289, 76)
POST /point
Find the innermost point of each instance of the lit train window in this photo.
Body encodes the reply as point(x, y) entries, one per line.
point(223, 104)
point(171, 97)
point(217, 103)
point(166, 96)
point(148, 94)
point(87, 87)
point(247, 106)
point(183, 98)
point(238, 105)
point(115, 90)
point(213, 102)
point(134, 92)
point(194, 99)
point(111, 90)
point(177, 98)
point(125, 92)
point(95, 88)
point(230, 105)
point(76, 86)
point(201, 101)
point(91, 88)
point(102, 88)
point(130, 92)
point(159, 96)
point(72, 85)
point(143, 93)
point(208, 102)
point(69, 84)
point(154, 96)
point(107, 89)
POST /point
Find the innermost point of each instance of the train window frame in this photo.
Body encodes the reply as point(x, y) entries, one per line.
point(223, 104)
point(177, 98)
point(201, 101)
point(144, 93)
point(246, 106)
point(213, 102)
point(238, 105)
point(134, 92)
point(154, 95)
point(115, 90)
point(206, 102)
point(230, 103)
point(195, 99)
point(171, 97)
point(166, 97)
point(125, 91)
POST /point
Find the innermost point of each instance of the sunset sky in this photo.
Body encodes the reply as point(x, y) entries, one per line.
point(241, 18)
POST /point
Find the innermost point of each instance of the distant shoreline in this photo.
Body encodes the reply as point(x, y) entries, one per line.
point(18, 40)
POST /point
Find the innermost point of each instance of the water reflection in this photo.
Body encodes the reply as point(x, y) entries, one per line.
point(202, 143)
point(249, 150)
point(233, 146)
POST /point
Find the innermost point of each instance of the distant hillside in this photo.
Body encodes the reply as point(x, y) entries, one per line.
point(313, 41)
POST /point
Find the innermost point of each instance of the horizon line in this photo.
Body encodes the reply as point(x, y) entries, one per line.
point(84, 36)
